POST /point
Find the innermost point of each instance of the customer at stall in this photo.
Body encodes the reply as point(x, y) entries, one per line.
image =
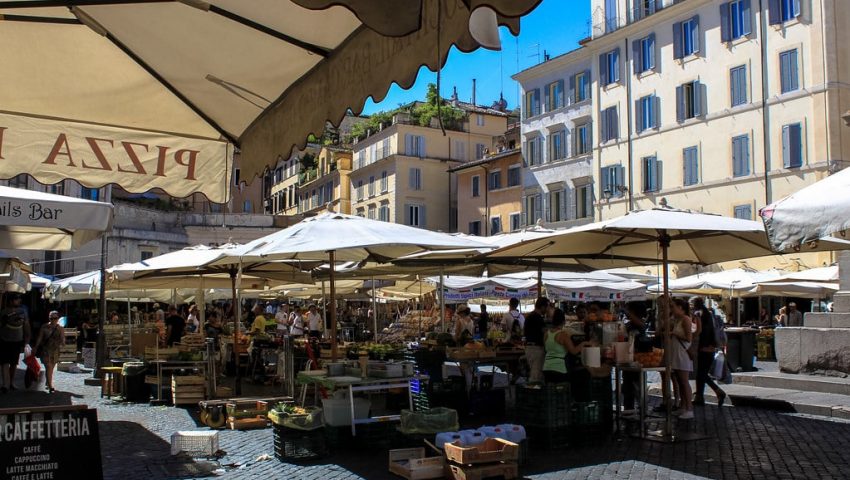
point(483, 322)
point(513, 321)
point(281, 318)
point(559, 345)
point(50, 339)
point(314, 321)
point(175, 326)
point(635, 325)
point(14, 335)
point(534, 352)
point(296, 324)
point(795, 317)
point(258, 324)
point(681, 362)
point(193, 320)
point(706, 348)
point(781, 317)
point(464, 327)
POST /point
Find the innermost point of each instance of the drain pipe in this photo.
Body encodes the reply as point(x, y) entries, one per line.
point(765, 117)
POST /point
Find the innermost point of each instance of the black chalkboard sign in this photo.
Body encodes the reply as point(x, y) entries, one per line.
point(50, 444)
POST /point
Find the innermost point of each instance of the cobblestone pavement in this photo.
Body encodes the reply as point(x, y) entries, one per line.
point(741, 443)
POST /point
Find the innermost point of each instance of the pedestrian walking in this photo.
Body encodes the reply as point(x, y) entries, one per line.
point(706, 348)
point(14, 334)
point(50, 339)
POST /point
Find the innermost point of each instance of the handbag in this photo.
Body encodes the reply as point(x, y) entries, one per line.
point(717, 367)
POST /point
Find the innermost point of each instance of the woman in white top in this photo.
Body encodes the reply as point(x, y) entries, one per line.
point(296, 328)
point(192, 321)
point(464, 327)
point(680, 359)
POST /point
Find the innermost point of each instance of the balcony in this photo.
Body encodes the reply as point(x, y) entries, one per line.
point(307, 176)
point(600, 24)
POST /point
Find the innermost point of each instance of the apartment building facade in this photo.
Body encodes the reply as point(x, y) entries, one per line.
point(557, 141)
point(401, 172)
point(327, 186)
point(489, 193)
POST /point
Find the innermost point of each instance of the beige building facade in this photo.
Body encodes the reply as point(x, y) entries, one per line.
point(401, 173)
point(489, 194)
point(717, 106)
point(327, 185)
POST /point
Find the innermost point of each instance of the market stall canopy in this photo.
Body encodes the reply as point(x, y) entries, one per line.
point(156, 94)
point(460, 288)
point(594, 290)
point(15, 275)
point(633, 239)
point(809, 214)
point(813, 283)
point(733, 283)
point(87, 286)
point(31, 220)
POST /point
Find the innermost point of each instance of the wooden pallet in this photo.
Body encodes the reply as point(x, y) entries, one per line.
point(247, 423)
point(508, 471)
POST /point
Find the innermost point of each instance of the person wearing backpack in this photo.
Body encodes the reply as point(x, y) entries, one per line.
point(711, 337)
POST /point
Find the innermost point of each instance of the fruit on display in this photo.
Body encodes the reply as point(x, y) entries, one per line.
point(650, 359)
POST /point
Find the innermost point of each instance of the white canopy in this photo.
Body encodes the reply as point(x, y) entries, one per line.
point(813, 283)
point(595, 291)
point(736, 282)
point(809, 214)
point(31, 220)
point(87, 286)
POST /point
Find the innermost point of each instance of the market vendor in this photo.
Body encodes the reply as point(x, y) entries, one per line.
point(464, 327)
point(559, 349)
point(534, 326)
point(258, 326)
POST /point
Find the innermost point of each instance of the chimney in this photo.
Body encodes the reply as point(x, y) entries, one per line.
point(454, 94)
point(473, 92)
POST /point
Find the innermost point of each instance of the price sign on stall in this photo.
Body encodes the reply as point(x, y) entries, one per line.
point(50, 444)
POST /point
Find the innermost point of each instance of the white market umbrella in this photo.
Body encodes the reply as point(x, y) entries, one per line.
point(809, 214)
point(147, 80)
point(335, 237)
point(733, 283)
point(819, 282)
point(31, 220)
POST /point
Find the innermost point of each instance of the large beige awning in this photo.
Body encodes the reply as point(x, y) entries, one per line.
point(156, 93)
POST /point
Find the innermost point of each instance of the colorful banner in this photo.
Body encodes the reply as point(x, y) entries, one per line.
point(488, 291)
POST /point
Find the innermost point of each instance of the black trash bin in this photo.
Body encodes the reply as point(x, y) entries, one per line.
point(135, 388)
point(741, 349)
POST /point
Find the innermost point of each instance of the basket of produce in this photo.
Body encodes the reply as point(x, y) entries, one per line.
point(297, 418)
point(655, 358)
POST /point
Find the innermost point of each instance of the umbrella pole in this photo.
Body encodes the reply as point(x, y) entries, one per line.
point(238, 386)
point(324, 303)
point(201, 303)
point(374, 312)
point(664, 242)
point(101, 334)
point(130, 327)
point(331, 260)
point(539, 277)
point(442, 301)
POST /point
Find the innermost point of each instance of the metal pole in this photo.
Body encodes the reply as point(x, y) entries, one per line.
point(130, 326)
point(374, 312)
point(101, 334)
point(421, 304)
point(442, 301)
point(238, 387)
point(201, 303)
point(333, 306)
point(324, 303)
point(539, 277)
point(664, 242)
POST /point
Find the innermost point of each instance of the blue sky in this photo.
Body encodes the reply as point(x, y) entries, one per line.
point(555, 26)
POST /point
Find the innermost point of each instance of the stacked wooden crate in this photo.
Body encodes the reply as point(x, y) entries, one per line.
point(188, 389)
point(191, 342)
point(493, 458)
point(68, 351)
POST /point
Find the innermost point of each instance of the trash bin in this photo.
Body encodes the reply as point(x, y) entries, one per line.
point(135, 388)
point(741, 349)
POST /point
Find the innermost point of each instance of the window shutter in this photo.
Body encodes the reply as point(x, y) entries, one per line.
point(614, 124)
point(699, 99)
point(651, 60)
point(421, 146)
point(680, 104)
point(422, 220)
point(605, 182)
point(538, 207)
point(656, 111)
point(725, 23)
point(560, 94)
point(697, 34)
point(775, 12)
point(603, 69)
point(797, 10)
point(586, 89)
point(563, 205)
point(794, 74)
point(407, 214)
point(639, 115)
point(537, 101)
point(620, 172)
point(588, 199)
point(659, 171)
point(796, 144)
point(408, 144)
point(746, 18)
point(547, 98)
point(637, 58)
point(541, 147)
point(786, 146)
point(572, 97)
point(677, 40)
point(745, 154)
point(603, 125)
point(616, 71)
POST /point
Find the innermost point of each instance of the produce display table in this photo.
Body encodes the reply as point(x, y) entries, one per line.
point(506, 360)
point(618, 373)
point(355, 384)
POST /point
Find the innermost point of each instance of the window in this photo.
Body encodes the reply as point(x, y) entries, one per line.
point(644, 54)
point(612, 181)
point(651, 174)
point(532, 103)
point(415, 179)
point(690, 161)
point(741, 156)
point(533, 209)
point(20, 181)
point(584, 201)
point(609, 124)
point(582, 139)
point(361, 212)
point(514, 176)
point(580, 86)
point(558, 145)
point(782, 11)
point(475, 228)
point(384, 212)
point(414, 215)
point(385, 184)
point(494, 180)
point(516, 221)
point(58, 188)
point(372, 186)
point(414, 145)
point(361, 159)
point(534, 147)
point(385, 148)
point(372, 212)
point(738, 85)
point(792, 145)
point(554, 97)
point(476, 190)
point(556, 211)
point(789, 80)
point(479, 119)
point(459, 150)
point(744, 212)
point(90, 193)
point(735, 20)
point(689, 101)
point(480, 150)
point(646, 112)
point(146, 254)
point(373, 153)
point(686, 38)
point(610, 15)
point(359, 189)
point(609, 67)
point(495, 225)
point(247, 207)
point(644, 8)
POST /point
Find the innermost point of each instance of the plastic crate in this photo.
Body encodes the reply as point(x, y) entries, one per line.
point(195, 443)
point(585, 413)
point(544, 407)
point(291, 444)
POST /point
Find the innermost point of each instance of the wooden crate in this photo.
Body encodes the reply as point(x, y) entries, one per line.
point(178, 380)
point(508, 471)
point(412, 464)
point(247, 423)
point(492, 450)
